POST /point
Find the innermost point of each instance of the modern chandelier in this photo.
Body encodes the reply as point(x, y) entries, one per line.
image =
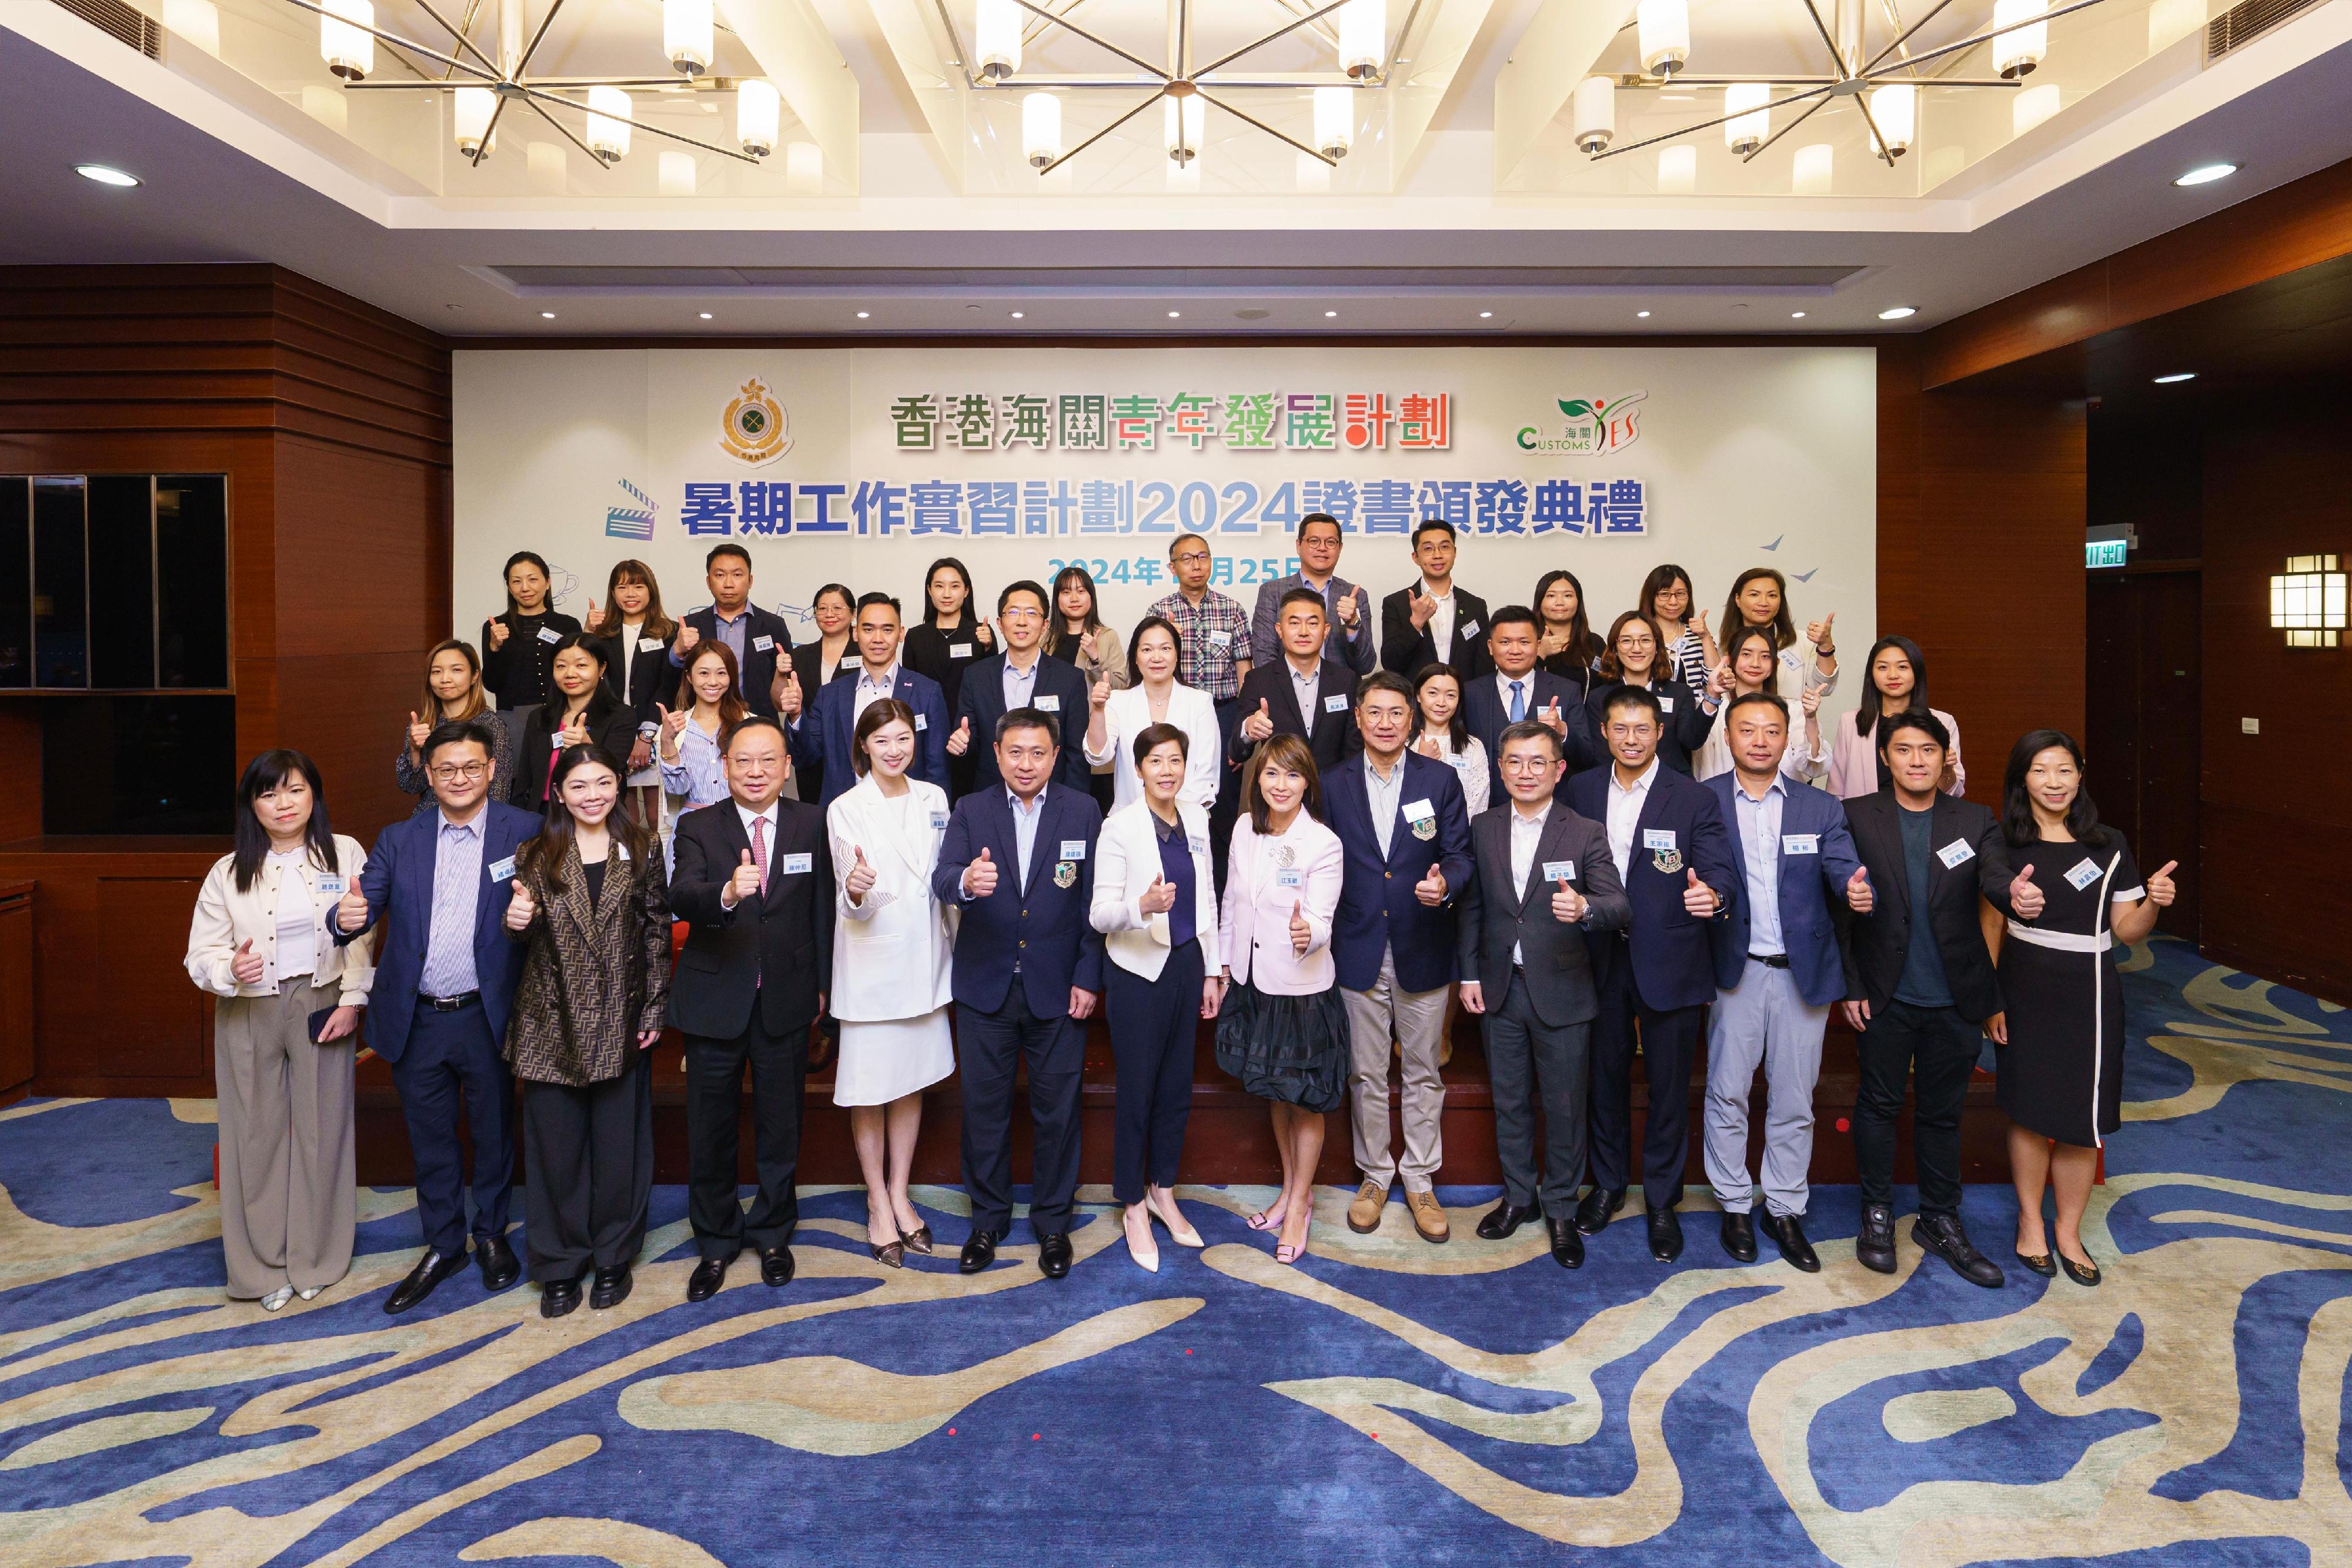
point(483, 88)
point(1884, 86)
point(1187, 87)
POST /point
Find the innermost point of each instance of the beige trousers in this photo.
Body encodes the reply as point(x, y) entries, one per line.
point(289, 1197)
point(1415, 1020)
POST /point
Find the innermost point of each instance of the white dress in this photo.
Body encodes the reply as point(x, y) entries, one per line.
point(891, 953)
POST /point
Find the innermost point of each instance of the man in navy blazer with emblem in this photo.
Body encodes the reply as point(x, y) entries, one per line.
point(1018, 861)
point(444, 984)
point(1514, 690)
point(762, 640)
point(1020, 677)
point(1777, 970)
point(1668, 838)
point(821, 730)
point(1405, 836)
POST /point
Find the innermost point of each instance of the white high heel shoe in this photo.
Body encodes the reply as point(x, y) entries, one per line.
point(1180, 1230)
point(1147, 1256)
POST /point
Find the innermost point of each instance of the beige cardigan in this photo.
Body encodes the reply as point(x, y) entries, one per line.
point(226, 918)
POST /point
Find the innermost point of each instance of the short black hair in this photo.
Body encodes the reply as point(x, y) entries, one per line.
point(866, 599)
point(1029, 718)
point(1510, 615)
point(1311, 518)
point(1633, 696)
point(1303, 596)
point(1427, 523)
point(1385, 681)
point(1045, 601)
point(737, 551)
point(751, 721)
point(1178, 543)
point(456, 732)
point(1528, 729)
point(1925, 723)
point(1152, 736)
point(1755, 699)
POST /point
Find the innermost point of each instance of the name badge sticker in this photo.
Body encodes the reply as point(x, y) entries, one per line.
point(1290, 876)
point(848, 664)
point(501, 870)
point(763, 645)
point(2084, 875)
point(1469, 628)
point(1073, 849)
point(1559, 871)
point(1666, 704)
point(959, 649)
point(1415, 811)
point(922, 722)
point(1658, 838)
point(1221, 639)
point(333, 884)
point(1048, 703)
point(1199, 846)
point(550, 634)
point(1800, 843)
point(796, 865)
point(1957, 854)
point(1336, 704)
point(939, 821)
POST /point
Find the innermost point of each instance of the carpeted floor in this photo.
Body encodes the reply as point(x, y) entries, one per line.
point(1385, 1403)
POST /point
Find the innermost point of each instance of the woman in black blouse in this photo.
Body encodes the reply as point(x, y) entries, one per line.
point(1568, 647)
point(580, 711)
point(1636, 657)
point(519, 646)
point(949, 638)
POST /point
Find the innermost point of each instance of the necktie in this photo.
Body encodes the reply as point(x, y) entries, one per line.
point(760, 849)
point(1519, 703)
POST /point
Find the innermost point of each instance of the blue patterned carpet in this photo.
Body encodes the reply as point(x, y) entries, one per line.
point(1386, 1403)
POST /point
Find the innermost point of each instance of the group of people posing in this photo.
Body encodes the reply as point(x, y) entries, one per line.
point(1322, 834)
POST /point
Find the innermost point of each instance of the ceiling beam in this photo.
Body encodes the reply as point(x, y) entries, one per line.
point(796, 52)
point(1556, 52)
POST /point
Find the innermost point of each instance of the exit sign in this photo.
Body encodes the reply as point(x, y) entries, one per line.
point(2106, 552)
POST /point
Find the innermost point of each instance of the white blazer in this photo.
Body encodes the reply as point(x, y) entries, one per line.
point(892, 954)
point(225, 919)
point(1126, 859)
point(1259, 895)
point(1128, 715)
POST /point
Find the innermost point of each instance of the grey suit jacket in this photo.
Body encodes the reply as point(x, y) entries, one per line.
point(1494, 915)
point(1359, 650)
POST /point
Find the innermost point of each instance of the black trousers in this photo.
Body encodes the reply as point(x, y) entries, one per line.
point(1228, 809)
point(1529, 1065)
point(714, 1103)
point(990, 1047)
point(1153, 1024)
point(1937, 1050)
point(452, 1059)
point(587, 1172)
point(1669, 1042)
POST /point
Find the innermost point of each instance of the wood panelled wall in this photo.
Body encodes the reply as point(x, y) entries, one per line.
point(331, 420)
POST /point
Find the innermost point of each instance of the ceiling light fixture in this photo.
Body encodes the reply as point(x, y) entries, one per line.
point(758, 110)
point(106, 175)
point(547, 315)
point(1643, 315)
point(1594, 109)
point(1796, 314)
point(689, 35)
point(2206, 173)
point(706, 315)
point(1662, 27)
point(863, 314)
point(1897, 312)
point(1172, 315)
point(1485, 315)
point(1017, 315)
point(2176, 376)
point(1328, 314)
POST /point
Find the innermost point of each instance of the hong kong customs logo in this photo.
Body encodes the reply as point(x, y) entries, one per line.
point(753, 430)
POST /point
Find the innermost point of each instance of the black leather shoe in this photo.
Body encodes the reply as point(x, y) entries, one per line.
point(501, 1267)
point(1789, 1236)
point(980, 1251)
point(2075, 1271)
point(1740, 1235)
point(707, 1276)
point(1666, 1235)
point(1942, 1235)
point(611, 1289)
point(1505, 1218)
point(1874, 1249)
point(557, 1297)
point(1054, 1255)
point(775, 1265)
point(1593, 1213)
point(430, 1271)
point(1567, 1243)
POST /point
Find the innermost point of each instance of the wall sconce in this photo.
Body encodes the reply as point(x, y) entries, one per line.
point(2307, 601)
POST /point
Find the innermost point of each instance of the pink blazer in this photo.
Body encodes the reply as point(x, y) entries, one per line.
point(1260, 892)
point(1854, 759)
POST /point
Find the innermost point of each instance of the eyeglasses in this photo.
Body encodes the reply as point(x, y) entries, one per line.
point(1527, 765)
point(1191, 557)
point(450, 772)
point(1020, 615)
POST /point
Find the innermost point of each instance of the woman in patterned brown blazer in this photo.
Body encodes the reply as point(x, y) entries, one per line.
point(592, 901)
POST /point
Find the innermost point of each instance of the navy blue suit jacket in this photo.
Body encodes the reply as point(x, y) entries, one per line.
point(399, 882)
point(1041, 925)
point(1377, 909)
point(1807, 886)
point(1483, 711)
point(981, 700)
point(1673, 965)
point(829, 721)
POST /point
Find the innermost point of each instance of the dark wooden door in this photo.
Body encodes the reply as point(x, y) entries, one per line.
point(2142, 704)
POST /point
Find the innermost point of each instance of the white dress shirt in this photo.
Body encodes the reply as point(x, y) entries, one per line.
point(1441, 625)
point(1527, 836)
point(1307, 688)
point(1625, 813)
point(871, 690)
point(1527, 684)
point(767, 834)
point(1384, 795)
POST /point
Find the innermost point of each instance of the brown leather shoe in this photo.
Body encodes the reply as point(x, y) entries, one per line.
point(1364, 1213)
point(1428, 1216)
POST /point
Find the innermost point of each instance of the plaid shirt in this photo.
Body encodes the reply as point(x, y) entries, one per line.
point(1203, 665)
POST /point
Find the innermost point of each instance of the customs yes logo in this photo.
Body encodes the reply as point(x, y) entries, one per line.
point(1589, 427)
point(753, 430)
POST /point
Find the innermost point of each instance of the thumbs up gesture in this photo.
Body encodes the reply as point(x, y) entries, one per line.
point(1301, 934)
point(743, 884)
point(1699, 898)
point(1348, 610)
point(1718, 680)
point(1858, 896)
point(351, 909)
point(784, 691)
point(418, 730)
point(575, 729)
point(1812, 701)
point(1568, 905)
point(979, 876)
point(1818, 632)
point(1430, 889)
point(1259, 725)
point(1420, 606)
point(1428, 746)
point(960, 742)
point(1159, 898)
point(983, 635)
point(673, 725)
point(861, 876)
point(521, 908)
point(1552, 719)
point(2024, 897)
point(686, 638)
point(245, 967)
point(1098, 695)
point(499, 632)
point(2160, 890)
point(589, 620)
point(1699, 623)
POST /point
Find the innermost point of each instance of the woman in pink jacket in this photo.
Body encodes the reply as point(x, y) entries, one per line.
point(1898, 683)
point(1282, 1030)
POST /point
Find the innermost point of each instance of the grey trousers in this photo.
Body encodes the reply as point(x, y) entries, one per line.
point(1415, 1018)
point(1526, 1060)
point(288, 1195)
point(1762, 1022)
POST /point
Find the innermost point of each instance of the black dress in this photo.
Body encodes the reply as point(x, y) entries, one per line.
point(2061, 1075)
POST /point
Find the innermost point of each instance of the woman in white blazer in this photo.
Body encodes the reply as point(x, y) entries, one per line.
point(1116, 717)
point(1898, 681)
point(261, 943)
point(1283, 1030)
point(1156, 904)
point(892, 947)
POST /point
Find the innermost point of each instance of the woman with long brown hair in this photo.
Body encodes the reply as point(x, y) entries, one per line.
point(1566, 646)
point(637, 637)
point(1635, 655)
point(453, 690)
point(1759, 597)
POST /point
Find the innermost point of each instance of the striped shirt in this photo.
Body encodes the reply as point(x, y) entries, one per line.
point(1203, 663)
point(457, 891)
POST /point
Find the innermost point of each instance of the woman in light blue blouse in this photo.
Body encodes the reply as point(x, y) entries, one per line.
point(706, 708)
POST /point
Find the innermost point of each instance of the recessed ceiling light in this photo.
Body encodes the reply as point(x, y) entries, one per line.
point(1896, 313)
point(1485, 315)
point(863, 314)
point(1328, 314)
point(1017, 315)
point(1796, 314)
point(105, 175)
point(1643, 315)
point(2206, 173)
point(706, 315)
point(1172, 315)
point(547, 315)
point(2176, 376)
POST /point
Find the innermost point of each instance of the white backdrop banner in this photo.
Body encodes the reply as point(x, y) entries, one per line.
point(862, 465)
